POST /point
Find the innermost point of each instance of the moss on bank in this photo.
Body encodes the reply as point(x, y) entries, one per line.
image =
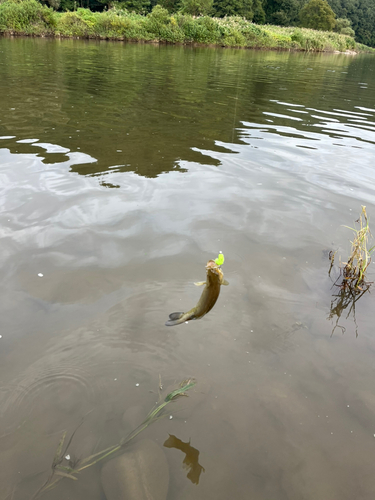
point(28, 17)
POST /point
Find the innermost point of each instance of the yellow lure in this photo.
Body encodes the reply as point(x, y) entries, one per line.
point(220, 259)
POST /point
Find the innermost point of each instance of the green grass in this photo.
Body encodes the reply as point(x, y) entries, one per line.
point(74, 467)
point(28, 17)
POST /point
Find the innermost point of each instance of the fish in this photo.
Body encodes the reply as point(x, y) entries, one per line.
point(214, 281)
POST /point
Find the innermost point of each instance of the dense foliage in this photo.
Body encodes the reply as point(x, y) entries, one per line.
point(345, 17)
point(32, 18)
point(357, 15)
point(318, 15)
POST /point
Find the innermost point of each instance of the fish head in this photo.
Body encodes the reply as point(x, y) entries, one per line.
point(214, 270)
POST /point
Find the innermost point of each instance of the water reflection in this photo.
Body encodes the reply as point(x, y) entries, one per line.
point(213, 161)
point(191, 460)
point(121, 115)
point(344, 301)
point(325, 133)
point(56, 155)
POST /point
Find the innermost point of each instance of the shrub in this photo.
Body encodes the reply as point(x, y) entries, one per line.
point(350, 43)
point(298, 37)
point(72, 24)
point(158, 23)
point(234, 39)
point(28, 16)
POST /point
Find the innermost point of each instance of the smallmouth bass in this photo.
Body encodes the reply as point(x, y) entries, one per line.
point(210, 294)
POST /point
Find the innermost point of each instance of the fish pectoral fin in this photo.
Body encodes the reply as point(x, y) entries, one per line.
point(225, 282)
point(200, 283)
point(176, 315)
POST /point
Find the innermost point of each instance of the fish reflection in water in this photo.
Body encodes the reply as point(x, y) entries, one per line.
point(210, 294)
point(191, 459)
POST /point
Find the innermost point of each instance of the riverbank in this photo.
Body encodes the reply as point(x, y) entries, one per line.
point(30, 18)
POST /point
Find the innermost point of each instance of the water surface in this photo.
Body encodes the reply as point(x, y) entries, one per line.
point(123, 169)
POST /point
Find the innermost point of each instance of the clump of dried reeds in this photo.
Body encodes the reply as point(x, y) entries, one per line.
point(352, 279)
point(353, 272)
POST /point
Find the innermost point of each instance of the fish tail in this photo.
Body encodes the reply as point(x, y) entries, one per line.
point(175, 318)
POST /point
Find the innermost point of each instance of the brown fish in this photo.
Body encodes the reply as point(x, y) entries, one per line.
point(210, 294)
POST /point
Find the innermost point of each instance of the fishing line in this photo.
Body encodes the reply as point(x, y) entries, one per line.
point(235, 107)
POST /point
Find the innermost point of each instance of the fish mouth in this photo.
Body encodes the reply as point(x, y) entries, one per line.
point(213, 267)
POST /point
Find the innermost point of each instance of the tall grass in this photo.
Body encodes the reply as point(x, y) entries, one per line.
point(28, 17)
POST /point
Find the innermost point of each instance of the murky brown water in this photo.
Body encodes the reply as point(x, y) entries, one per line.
point(124, 168)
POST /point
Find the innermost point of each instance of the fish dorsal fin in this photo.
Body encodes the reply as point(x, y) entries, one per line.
point(175, 316)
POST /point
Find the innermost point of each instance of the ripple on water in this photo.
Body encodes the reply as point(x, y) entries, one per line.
point(45, 391)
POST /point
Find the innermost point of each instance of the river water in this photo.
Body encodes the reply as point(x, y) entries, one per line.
point(124, 168)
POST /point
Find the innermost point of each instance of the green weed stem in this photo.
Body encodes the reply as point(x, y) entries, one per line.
point(69, 472)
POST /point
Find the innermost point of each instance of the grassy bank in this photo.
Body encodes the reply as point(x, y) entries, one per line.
point(29, 17)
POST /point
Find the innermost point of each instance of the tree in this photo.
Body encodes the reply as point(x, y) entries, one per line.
point(170, 5)
point(196, 7)
point(318, 15)
point(138, 6)
point(55, 4)
point(259, 14)
point(282, 12)
point(364, 27)
point(344, 26)
point(243, 8)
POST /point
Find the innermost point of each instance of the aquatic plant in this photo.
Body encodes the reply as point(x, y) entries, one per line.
point(59, 471)
point(351, 282)
point(345, 300)
point(354, 270)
